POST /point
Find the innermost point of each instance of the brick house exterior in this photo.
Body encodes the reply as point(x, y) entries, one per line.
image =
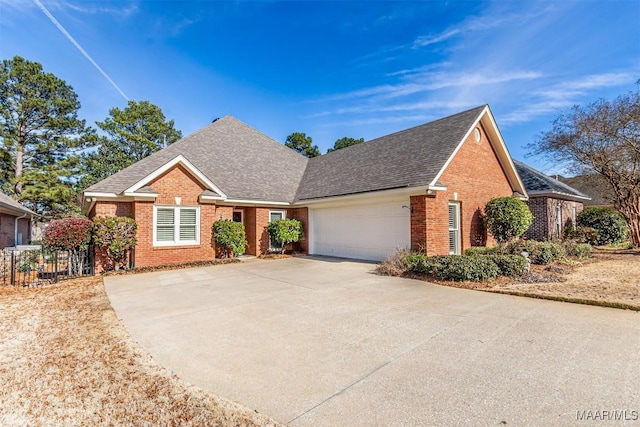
point(401, 190)
point(554, 204)
point(15, 223)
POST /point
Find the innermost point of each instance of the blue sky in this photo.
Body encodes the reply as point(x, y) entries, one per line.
point(334, 68)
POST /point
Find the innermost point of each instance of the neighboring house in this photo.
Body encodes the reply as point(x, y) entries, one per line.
point(422, 188)
point(552, 202)
point(15, 222)
point(593, 185)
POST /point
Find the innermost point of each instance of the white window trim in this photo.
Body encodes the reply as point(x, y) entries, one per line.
point(284, 216)
point(176, 241)
point(241, 212)
point(458, 242)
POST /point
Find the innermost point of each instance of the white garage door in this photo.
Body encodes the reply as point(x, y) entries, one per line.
point(370, 232)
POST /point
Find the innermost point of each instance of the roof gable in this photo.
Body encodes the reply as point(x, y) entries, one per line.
point(538, 184)
point(141, 185)
point(234, 159)
point(239, 164)
point(413, 157)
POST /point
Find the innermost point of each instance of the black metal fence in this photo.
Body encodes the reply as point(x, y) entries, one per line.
point(33, 267)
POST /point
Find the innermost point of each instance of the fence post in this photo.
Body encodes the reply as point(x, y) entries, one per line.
point(13, 268)
point(55, 268)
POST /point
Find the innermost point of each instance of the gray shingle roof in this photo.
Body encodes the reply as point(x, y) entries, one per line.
point(593, 185)
point(408, 158)
point(247, 165)
point(13, 205)
point(242, 162)
point(538, 183)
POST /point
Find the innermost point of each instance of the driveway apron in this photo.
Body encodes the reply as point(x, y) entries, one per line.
point(325, 342)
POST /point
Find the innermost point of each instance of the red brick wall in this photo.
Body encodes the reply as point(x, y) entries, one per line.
point(476, 176)
point(302, 215)
point(545, 214)
point(7, 230)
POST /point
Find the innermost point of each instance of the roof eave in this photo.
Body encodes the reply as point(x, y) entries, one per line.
point(559, 195)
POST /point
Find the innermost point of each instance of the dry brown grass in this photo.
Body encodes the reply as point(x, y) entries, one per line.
point(65, 359)
point(609, 277)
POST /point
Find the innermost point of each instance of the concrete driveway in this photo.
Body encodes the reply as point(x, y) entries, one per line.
point(324, 342)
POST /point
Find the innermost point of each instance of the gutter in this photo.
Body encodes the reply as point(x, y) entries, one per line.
point(15, 228)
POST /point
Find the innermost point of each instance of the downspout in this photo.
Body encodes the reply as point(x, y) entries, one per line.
point(15, 227)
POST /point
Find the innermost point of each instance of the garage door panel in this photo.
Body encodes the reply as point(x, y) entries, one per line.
point(370, 232)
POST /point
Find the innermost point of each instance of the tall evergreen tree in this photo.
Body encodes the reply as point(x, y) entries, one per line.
point(345, 142)
point(40, 135)
point(303, 144)
point(131, 135)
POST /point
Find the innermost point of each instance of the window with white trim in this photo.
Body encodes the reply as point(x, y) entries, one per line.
point(454, 228)
point(274, 216)
point(176, 225)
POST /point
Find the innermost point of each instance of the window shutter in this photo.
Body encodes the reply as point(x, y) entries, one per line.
point(188, 224)
point(165, 231)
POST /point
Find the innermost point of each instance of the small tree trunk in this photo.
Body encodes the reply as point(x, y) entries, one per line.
point(19, 167)
point(631, 212)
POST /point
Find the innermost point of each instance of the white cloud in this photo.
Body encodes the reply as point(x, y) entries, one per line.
point(565, 94)
point(487, 21)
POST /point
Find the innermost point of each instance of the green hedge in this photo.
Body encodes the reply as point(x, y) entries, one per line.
point(539, 252)
point(454, 267)
point(480, 250)
point(578, 250)
point(610, 224)
point(510, 265)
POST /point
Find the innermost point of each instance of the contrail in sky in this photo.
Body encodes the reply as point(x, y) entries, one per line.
point(77, 45)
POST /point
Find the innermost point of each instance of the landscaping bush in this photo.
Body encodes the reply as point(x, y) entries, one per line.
point(116, 236)
point(416, 262)
point(510, 265)
point(539, 252)
point(611, 225)
point(285, 231)
point(395, 265)
point(507, 218)
point(548, 252)
point(582, 235)
point(230, 236)
point(68, 234)
point(480, 250)
point(460, 268)
point(578, 250)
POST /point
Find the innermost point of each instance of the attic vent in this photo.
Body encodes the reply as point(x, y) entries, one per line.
point(477, 135)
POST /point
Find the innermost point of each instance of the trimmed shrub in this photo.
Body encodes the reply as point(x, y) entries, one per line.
point(416, 263)
point(460, 268)
point(116, 235)
point(230, 236)
point(507, 218)
point(510, 265)
point(548, 252)
point(480, 250)
point(578, 250)
point(539, 252)
point(582, 234)
point(68, 234)
point(285, 231)
point(611, 226)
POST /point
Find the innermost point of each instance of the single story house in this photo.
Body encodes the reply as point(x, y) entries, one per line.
point(15, 222)
point(421, 188)
point(553, 203)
